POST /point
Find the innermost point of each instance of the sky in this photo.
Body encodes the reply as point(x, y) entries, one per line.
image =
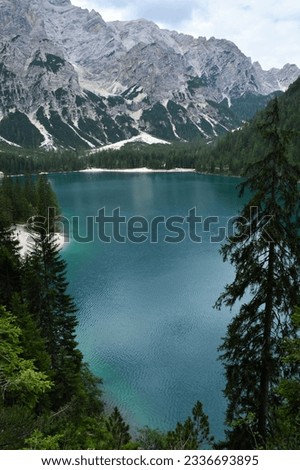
point(268, 31)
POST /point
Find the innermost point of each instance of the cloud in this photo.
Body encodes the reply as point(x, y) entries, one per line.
point(265, 30)
point(172, 12)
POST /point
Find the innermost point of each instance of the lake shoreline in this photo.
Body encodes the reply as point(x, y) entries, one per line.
point(26, 241)
point(136, 170)
point(143, 170)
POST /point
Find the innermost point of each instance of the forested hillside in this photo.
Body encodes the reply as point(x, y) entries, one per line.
point(234, 151)
point(229, 154)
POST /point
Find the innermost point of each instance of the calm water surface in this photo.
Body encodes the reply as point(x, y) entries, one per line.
point(146, 322)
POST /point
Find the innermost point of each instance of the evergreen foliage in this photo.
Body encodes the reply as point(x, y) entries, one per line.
point(10, 267)
point(265, 251)
point(16, 127)
point(20, 382)
point(286, 416)
point(44, 290)
point(118, 429)
point(192, 434)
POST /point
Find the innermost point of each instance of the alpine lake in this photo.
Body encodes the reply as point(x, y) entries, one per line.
point(147, 325)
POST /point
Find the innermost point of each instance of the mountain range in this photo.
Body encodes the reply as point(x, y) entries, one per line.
point(69, 79)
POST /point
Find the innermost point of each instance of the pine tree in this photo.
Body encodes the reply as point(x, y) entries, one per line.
point(6, 208)
point(20, 381)
point(118, 429)
point(45, 290)
point(22, 384)
point(32, 342)
point(9, 264)
point(46, 201)
point(286, 419)
point(265, 252)
point(193, 434)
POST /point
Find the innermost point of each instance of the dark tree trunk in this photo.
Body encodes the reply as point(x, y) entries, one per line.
point(266, 351)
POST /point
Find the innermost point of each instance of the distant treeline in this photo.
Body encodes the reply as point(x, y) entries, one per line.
point(229, 154)
point(24, 198)
point(179, 155)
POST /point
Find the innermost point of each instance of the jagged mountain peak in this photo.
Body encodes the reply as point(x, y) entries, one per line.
point(74, 80)
point(60, 3)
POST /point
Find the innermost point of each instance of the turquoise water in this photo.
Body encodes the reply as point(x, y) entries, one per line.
point(146, 322)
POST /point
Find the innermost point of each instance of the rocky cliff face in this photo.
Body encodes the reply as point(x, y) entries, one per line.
point(69, 79)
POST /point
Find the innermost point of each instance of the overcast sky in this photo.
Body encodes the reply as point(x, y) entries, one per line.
point(265, 30)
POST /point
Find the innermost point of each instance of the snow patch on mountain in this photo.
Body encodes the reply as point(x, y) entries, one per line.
point(142, 138)
point(8, 142)
point(83, 82)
